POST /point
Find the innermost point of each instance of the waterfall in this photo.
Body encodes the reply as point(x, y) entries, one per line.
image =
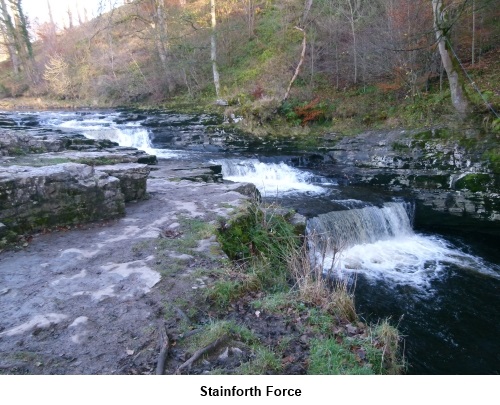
point(99, 126)
point(363, 225)
point(272, 179)
point(379, 242)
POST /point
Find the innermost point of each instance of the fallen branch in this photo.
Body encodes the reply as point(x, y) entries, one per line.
point(190, 333)
point(181, 314)
point(164, 345)
point(200, 353)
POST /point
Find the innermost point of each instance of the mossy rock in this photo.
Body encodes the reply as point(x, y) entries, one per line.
point(474, 182)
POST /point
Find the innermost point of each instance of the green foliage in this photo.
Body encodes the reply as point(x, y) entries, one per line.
point(287, 110)
point(223, 292)
point(474, 182)
point(264, 361)
point(320, 321)
point(263, 239)
point(216, 329)
point(330, 357)
point(495, 125)
point(374, 352)
point(274, 302)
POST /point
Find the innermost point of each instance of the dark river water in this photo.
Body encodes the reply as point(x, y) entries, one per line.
point(442, 290)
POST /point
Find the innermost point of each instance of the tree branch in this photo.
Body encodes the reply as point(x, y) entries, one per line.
point(200, 353)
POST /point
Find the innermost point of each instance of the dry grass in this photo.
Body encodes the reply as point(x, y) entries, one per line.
point(322, 290)
point(387, 338)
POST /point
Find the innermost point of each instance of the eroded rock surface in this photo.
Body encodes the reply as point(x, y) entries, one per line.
point(87, 301)
point(445, 172)
point(33, 198)
point(53, 180)
point(132, 178)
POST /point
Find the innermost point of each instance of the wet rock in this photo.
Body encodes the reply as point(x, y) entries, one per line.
point(436, 167)
point(247, 189)
point(45, 149)
point(198, 173)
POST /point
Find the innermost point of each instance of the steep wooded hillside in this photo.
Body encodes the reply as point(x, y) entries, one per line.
point(375, 62)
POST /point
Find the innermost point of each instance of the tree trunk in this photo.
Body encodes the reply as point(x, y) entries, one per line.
point(250, 9)
point(458, 95)
point(307, 9)
point(354, 40)
point(160, 33)
point(9, 34)
point(16, 64)
point(299, 65)
point(473, 50)
point(213, 49)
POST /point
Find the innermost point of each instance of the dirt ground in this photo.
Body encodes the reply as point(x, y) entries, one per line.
point(88, 300)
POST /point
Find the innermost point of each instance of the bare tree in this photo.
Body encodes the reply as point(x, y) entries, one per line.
point(14, 27)
point(441, 28)
point(213, 49)
point(10, 36)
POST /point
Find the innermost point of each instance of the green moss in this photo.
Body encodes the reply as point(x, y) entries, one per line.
point(474, 182)
point(429, 181)
point(400, 147)
point(263, 239)
point(98, 161)
point(493, 157)
point(17, 152)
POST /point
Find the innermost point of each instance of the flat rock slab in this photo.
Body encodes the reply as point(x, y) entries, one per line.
point(87, 301)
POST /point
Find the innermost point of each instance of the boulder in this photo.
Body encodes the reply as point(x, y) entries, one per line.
point(33, 198)
point(132, 178)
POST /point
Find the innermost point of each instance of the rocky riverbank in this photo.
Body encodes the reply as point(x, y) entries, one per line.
point(104, 297)
point(50, 180)
point(452, 176)
point(102, 259)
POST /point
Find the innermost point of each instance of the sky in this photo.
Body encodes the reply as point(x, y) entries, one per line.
point(37, 10)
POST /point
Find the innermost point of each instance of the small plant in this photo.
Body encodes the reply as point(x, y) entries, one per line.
point(262, 240)
point(495, 125)
point(264, 361)
point(320, 289)
point(311, 112)
point(330, 357)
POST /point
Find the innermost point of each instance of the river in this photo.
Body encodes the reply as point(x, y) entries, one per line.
point(442, 290)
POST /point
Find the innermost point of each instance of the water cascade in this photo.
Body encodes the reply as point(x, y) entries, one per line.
point(131, 134)
point(447, 294)
point(379, 243)
point(272, 179)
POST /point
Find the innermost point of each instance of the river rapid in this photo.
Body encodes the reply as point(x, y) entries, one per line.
point(442, 290)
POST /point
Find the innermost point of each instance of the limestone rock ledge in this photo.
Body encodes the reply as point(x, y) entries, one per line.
point(33, 198)
point(132, 176)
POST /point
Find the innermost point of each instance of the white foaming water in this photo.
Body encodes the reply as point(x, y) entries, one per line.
point(103, 127)
point(380, 244)
point(270, 178)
